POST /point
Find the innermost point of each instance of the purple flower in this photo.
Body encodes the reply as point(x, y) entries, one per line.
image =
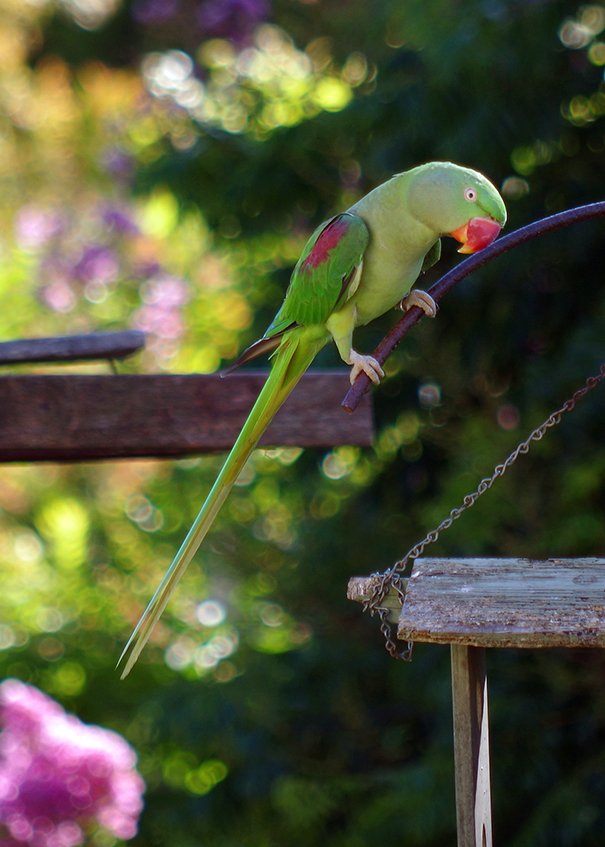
point(231, 18)
point(119, 221)
point(61, 778)
point(97, 263)
point(234, 19)
point(146, 268)
point(154, 11)
point(117, 163)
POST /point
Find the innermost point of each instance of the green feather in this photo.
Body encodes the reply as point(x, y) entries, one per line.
point(297, 350)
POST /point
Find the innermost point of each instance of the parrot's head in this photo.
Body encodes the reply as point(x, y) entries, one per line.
point(457, 201)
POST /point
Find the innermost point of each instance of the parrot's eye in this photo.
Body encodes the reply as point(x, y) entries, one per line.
point(470, 194)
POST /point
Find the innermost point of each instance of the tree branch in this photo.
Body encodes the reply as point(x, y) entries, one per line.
point(454, 276)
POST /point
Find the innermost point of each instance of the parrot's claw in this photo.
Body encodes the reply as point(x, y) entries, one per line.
point(422, 299)
point(368, 364)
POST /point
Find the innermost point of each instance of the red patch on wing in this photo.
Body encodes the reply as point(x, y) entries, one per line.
point(327, 241)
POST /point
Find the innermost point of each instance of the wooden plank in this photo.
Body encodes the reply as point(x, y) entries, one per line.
point(471, 747)
point(73, 417)
point(506, 602)
point(72, 348)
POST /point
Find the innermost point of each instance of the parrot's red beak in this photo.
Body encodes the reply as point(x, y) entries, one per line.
point(476, 234)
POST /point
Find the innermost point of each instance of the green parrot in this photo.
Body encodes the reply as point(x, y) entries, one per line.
point(354, 267)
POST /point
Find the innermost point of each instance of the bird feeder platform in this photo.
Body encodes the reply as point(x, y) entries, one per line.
point(475, 604)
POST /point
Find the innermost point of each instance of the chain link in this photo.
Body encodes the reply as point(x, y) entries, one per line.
point(393, 578)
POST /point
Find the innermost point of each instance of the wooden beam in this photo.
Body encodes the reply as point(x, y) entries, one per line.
point(72, 348)
point(506, 602)
point(74, 418)
point(471, 747)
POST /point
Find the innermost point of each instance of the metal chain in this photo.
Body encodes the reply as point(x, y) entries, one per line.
point(393, 577)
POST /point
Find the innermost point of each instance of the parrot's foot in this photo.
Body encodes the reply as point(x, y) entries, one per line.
point(368, 364)
point(422, 299)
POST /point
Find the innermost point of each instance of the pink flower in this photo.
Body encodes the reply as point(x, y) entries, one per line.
point(60, 777)
point(34, 227)
point(163, 297)
point(58, 296)
point(166, 292)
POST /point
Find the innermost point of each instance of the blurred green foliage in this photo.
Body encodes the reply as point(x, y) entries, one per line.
point(161, 165)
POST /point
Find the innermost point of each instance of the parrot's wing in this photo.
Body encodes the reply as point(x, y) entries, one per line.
point(326, 274)
point(324, 278)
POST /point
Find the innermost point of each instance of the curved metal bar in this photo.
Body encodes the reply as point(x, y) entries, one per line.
point(455, 275)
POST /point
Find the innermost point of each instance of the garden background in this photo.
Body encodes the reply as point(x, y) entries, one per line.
point(161, 164)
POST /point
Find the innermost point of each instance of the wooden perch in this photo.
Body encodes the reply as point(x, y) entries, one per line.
point(72, 348)
point(79, 417)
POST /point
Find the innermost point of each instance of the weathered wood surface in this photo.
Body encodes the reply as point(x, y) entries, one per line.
point(72, 348)
point(499, 602)
point(471, 746)
point(360, 589)
point(73, 417)
point(506, 602)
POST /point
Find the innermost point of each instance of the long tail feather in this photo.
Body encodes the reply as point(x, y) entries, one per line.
point(296, 352)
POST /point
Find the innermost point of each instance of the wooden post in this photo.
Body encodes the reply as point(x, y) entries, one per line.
point(471, 747)
point(472, 604)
